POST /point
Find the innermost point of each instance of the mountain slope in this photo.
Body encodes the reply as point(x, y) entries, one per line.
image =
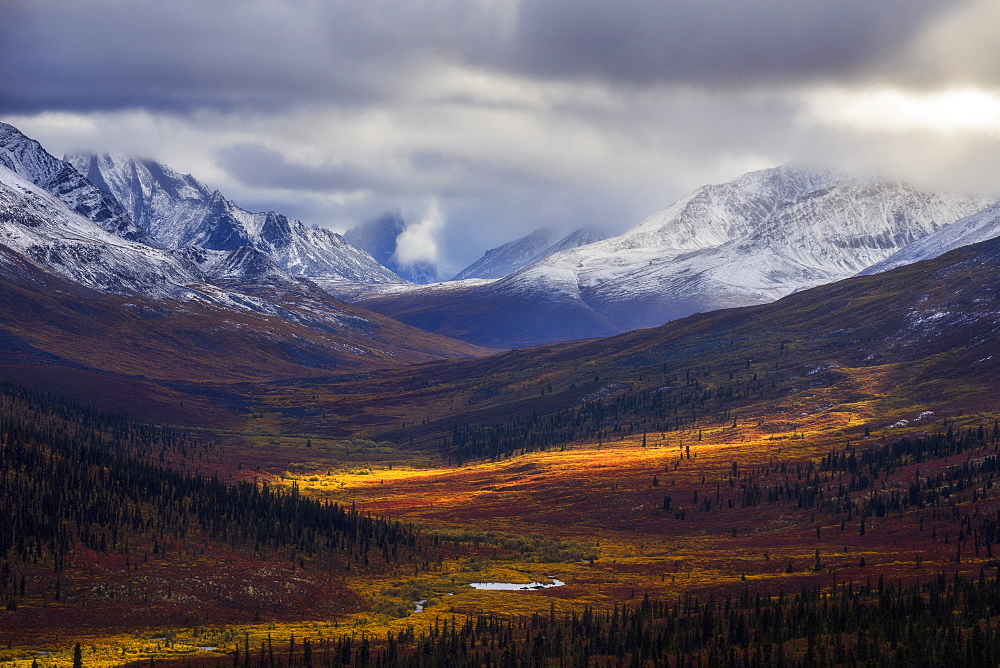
point(980, 226)
point(513, 255)
point(749, 241)
point(35, 224)
point(28, 159)
point(177, 210)
point(239, 330)
point(77, 296)
point(865, 350)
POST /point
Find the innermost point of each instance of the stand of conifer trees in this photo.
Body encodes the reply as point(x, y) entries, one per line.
point(947, 621)
point(72, 477)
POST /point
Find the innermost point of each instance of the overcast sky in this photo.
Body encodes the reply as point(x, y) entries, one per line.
point(485, 120)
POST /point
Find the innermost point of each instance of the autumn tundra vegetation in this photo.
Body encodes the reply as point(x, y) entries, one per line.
point(805, 483)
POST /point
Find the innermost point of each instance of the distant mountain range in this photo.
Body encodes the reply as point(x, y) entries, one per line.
point(750, 241)
point(177, 210)
point(138, 230)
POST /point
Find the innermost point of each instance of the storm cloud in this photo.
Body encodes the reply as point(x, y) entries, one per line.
point(507, 115)
point(234, 55)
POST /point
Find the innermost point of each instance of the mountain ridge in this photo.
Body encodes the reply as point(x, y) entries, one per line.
point(507, 258)
point(177, 210)
point(27, 158)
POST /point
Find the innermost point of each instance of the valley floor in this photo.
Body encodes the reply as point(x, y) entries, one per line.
point(713, 514)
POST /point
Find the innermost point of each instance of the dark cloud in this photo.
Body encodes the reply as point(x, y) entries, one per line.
point(715, 42)
point(187, 54)
point(257, 166)
point(446, 175)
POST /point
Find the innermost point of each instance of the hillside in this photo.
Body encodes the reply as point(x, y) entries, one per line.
point(53, 322)
point(139, 530)
point(833, 450)
point(871, 349)
point(817, 471)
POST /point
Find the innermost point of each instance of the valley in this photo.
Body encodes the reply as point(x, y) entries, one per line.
point(206, 458)
point(857, 464)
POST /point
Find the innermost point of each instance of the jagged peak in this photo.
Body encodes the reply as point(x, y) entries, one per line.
point(29, 158)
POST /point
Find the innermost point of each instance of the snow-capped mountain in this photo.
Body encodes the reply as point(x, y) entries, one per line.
point(28, 159)
point(513, 255)
point(79, 292)
point(749, 241)
point(379, 239)
point(177, 210)
point(752, 240)
point(75, 294)
point(42, 228)
point(981, 226)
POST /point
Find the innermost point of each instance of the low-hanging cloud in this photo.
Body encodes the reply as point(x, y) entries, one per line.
point(418, 243)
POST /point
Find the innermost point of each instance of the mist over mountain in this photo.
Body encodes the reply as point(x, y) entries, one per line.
point(380, 238)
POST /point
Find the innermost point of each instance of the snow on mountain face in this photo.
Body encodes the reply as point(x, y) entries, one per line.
point(41, 229)
point(749, 241)
point(243, 264)
point(178, 210)
point(162, 202)
point(36, 225)
point(978, 227)
point(27, 158)
point(508, 258)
